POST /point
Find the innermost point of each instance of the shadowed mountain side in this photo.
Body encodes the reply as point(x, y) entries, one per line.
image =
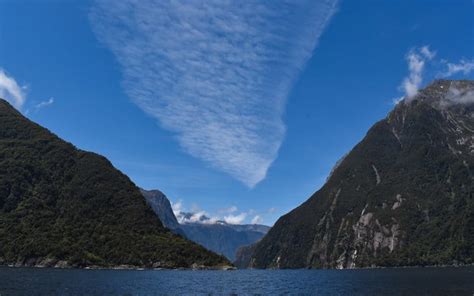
point(60, 206)
point(403, 195)
point(223, 238)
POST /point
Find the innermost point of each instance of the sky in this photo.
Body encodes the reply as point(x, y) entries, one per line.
point(236, 110)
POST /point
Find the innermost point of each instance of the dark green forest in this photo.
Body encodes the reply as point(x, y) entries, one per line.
point(61, 204)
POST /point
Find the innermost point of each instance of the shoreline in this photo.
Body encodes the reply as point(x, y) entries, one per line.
point(65, 265)
point(222, 268)
point(370, 267)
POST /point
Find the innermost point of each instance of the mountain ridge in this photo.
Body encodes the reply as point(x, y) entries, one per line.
point(65, 207)
point(162, 208)
point(217, 236)
point(402, 196)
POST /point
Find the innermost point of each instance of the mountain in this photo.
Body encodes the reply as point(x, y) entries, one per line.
point(217, 236)
point(61, 206)
point(243, 256)
point(224, 238)
point(403, 196)
point(162, 208)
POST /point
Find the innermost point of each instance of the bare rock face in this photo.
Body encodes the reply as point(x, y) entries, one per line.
point(403, 195)
point(162, 208)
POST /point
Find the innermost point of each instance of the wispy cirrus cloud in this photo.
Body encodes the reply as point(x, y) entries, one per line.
point(217, 73)
point(11, 91)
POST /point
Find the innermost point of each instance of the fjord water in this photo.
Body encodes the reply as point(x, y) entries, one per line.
point(396, 281)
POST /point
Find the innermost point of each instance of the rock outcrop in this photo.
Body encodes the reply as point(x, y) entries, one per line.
point(403, 195)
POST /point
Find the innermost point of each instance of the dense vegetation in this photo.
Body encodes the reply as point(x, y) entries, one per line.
point(403, 196)
point(63, 206)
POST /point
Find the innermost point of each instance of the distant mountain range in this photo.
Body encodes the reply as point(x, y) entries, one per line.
point(64, 207)
point(224, 238)
point(403, 196)
point(218, 236)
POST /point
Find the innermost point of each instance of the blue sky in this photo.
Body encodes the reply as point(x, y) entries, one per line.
point(236, 109)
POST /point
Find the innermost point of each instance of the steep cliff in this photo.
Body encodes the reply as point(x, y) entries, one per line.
point(162, 208)
point(402, 196)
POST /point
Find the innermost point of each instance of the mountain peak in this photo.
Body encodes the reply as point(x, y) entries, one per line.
point(402, 196)
point(444, 93)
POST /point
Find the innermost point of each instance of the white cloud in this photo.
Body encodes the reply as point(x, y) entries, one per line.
point(177, 207)
point(235, 219)
point(257, 220)
point(217, 73)
point(458, 95)
point(230, 215)
point(200, 217)
point(416, 59)
point(427, 52)
point(464, 66)
point(46, 103)
point(197, 215)
point(11, 91)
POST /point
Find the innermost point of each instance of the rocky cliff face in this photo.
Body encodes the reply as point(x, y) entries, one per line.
point(243, 256)
point(162, 208)
point(402, 196)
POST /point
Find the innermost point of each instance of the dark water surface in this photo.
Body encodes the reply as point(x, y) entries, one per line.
point(407, 281)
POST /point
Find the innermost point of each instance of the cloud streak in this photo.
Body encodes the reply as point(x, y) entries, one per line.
point(217, 73)
point(44, 104)
point(464, 66)
point(11, 91)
